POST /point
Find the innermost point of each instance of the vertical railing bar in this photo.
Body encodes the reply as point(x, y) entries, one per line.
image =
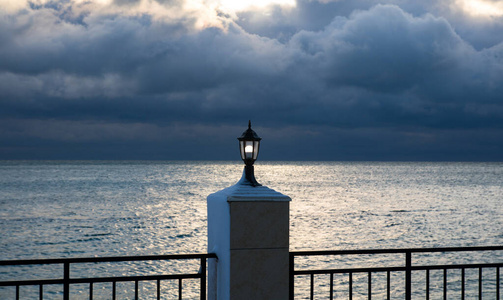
point(408, 264)
point(41, 292)
point(17, 292)
point(312, 286)
point(291, 288)
point(445, 284)
point(428, 284)
point(497, 282)
point(136, 290)
point(331, 286)
point(158, 289)
point(91, 290)
point(203, 278)
point(388, 285)
point(66, 280)
point(350, 285)
point(180, 288)
point(462, 283)
point(113, 290)
point(370, 286)
point(480, 283)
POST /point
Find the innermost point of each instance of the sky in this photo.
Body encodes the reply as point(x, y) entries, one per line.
point(335, 80)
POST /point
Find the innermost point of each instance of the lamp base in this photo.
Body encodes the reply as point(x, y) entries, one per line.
point(249, 176)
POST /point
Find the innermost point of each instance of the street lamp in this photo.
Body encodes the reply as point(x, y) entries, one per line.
point(249, 143)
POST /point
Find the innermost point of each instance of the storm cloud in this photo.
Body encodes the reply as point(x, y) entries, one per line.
point(357, 80)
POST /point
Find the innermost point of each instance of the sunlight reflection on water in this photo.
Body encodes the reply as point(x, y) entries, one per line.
point(75, 209)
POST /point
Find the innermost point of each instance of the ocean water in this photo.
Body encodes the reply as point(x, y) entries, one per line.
point(52, 209)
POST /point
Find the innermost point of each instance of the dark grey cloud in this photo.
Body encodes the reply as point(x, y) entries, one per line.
point(281, 23)
point(364, 81)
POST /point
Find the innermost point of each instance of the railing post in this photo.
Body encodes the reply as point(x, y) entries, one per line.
point(408, 275)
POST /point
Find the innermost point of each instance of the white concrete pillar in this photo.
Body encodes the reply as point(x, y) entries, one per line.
point(248, 229)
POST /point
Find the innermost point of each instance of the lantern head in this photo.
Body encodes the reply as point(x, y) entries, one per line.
point(249, 143)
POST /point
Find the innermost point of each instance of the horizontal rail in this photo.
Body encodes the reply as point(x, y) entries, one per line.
point(101, 279)
point(396, 269)
point(48, 261)
point(391, 251)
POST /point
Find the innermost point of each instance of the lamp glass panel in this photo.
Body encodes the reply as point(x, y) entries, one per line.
point(255, 149)
point(242, 149)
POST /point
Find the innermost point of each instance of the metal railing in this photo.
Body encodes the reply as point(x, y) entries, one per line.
point(403, 273)
point(412, 262)
point(66, 279)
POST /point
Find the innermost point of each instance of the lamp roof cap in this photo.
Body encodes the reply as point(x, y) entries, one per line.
point(249, 134)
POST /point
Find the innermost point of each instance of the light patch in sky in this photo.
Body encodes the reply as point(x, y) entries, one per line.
point(11, 6)
point(103, 2)
point(482, 8)
point(240, 5)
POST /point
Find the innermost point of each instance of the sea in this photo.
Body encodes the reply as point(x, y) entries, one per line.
point(57, 209)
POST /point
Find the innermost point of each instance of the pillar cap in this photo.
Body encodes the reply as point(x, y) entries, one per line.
point(241, 192)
